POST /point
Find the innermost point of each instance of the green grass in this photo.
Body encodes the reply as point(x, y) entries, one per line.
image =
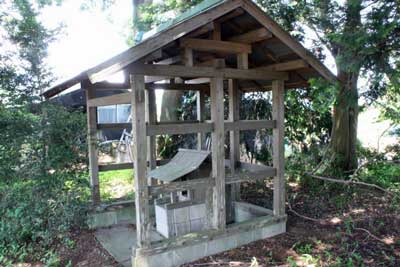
point(116, 185)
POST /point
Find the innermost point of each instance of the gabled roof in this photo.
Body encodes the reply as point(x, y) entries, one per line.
point(199, 17)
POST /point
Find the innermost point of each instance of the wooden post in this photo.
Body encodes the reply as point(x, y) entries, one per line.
point(278, 108)
point(139, 150)
point(200, 116)
point(218, 153)
point(91, 114)
point(233, 92)
point(151, 119)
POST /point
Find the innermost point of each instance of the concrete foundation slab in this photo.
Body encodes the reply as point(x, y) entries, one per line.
point(119, 242)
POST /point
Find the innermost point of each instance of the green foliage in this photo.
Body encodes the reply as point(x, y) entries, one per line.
point(153, 14)
point(116, 185)
point(36, 214)
point(35, 143)
point(44, 188)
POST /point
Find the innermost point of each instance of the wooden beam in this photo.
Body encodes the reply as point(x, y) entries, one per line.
point(278, 155)
point(151, 119)
point(244, 125)
point(114, 126)
point(178, 86)
point(187, 128)
point(252, 36)
point(286, 66)
point(200, 109)
point(215, 46)
point(156, 190)
point(123, 98)
point(218, 154)
point(205, 72)
point(216, 34)
point(116, 166)
point(91, 115)
point(240, 177)
point(108, 85)
point(139, 150)
point(170, 60)
point(262, 88)
point(152, 56)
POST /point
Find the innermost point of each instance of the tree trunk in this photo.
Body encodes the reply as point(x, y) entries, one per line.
point(345, 120)
point(169, 105)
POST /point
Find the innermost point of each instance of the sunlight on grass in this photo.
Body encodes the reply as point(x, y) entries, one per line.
point(116, 185)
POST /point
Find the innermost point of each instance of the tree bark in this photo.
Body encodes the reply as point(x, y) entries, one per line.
point(345, 120)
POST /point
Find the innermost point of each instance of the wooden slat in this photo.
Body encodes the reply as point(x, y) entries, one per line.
point(91, 115)
point(244, 125)
point(123, 98)
point(278, 155)
point(252, 36)
point(114, 126)
point(178, 86)
point(139, 150)
point(156, 190)
point(108, 85)
point(127, 165)
point(116, 166)
point(200, 106)
point(215, 46)
point(244, 176)
point(170, 60)
point(151, 119)
point(205, 72)
point(286, 66)
point(181, 128)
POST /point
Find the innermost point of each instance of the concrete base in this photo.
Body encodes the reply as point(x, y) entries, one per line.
point(234, 236)
point(119, 241)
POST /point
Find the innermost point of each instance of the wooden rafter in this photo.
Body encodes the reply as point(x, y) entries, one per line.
point(252, 36)
point(215, 46)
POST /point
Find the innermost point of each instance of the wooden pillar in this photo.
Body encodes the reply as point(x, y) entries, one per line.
point(278, 108)
point(151, 118)
point(91, 114)
point(200, 116)
point(139, 150)
point(218, 154)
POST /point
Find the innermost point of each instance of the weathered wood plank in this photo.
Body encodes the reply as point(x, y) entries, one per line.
point(182, 128)
point(286, 66)
point(114, 126)
point(91, 115)
point(123, 98)
point(139, 150)
point(252, 36)
point(278, 156)
point(157, 190)
point(178, 86)
point(215, 46)
point(205, 72)
point(244, 125)
point(151, 119)
point(218, 153)
point(200, 106)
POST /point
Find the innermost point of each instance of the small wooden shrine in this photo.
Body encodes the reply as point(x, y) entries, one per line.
point(219, 46)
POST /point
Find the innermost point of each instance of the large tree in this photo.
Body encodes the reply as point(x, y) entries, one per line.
point(363, 36)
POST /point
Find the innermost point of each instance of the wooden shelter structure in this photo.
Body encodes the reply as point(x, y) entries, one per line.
point(219, 45)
